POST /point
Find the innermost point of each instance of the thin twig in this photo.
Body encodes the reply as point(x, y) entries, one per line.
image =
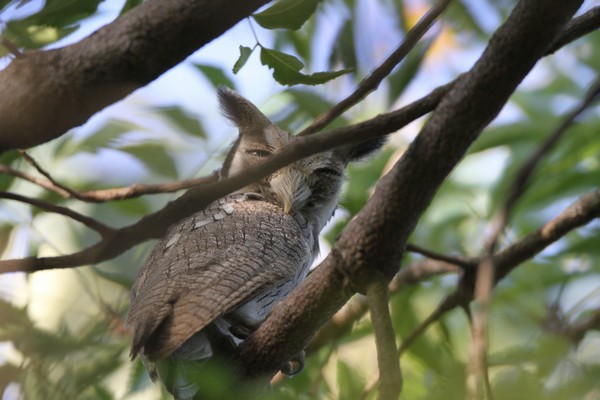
point(44, 183)
point(91, 223)
point(106, 195)
point(385, 340)
point(11, 47)
point(372, 81)
point(463, 262)
point(342, 322)
point(478, 377)
point(45, 173)
point(137, 190)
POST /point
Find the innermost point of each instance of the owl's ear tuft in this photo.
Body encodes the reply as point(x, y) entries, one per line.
point(241, 111)
point(360, 151)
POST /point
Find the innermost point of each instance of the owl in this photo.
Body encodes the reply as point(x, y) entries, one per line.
point(216, 275)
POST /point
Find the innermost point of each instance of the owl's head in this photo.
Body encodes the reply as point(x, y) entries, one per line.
point(310, 186)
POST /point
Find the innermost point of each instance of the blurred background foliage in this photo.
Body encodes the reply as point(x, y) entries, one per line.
point(61, 332)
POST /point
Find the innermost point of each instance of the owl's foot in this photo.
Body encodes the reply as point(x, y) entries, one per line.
point(293, 366)
point(241, 331)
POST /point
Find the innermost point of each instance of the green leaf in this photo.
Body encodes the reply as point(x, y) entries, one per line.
point(56, 20)
point(139, 379)
point(350, 383)
point(343, 48)
point(287, 14)
point(102, 138)
point(182, 119)
point(3, 4)
point(286, 69)
point(155, 158)
point(215, 75)
point(241, 61)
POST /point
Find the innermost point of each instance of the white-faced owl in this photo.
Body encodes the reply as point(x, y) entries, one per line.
point(216, 275)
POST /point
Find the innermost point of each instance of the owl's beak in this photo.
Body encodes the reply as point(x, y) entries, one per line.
point(287, 206)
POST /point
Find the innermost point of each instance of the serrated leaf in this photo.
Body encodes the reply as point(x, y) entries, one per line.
point(241, 61)
point(287, 14)
point(182, 119)
point(155, 158)
point(215, 75)
point(286, 69)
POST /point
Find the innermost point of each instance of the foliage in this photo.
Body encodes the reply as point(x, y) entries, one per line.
point(529, 356)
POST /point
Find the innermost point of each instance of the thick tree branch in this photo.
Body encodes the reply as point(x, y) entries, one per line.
point(375, 239)
point(45, 93)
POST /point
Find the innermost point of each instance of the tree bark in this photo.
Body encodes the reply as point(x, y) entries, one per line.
point(376, 238)
point(45, 93)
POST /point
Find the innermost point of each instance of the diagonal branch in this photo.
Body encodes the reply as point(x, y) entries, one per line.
point(376, 237)
point(577, 27)
point(372, 81)
point(105, 195)
point(91, 223)
point(62, 88)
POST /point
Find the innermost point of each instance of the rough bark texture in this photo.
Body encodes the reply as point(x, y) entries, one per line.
point(376, 238)
point(60, 89)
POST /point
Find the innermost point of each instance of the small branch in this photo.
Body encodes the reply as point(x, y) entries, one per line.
point(450, 302)
point(103, 230)
point(106, 195)
point(478, 377)
point(421, 271)
point(138, 190)
point(385, 340)
point(342, 322)
point(526, 171)
point(576, 28)
point(576, 332)
point(46, 174)
point(459, 261)
point(11, 47)
point(372, 81)
point(579, 213)
point(44, 183)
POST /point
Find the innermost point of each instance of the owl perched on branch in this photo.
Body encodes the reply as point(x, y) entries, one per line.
point(217, 274)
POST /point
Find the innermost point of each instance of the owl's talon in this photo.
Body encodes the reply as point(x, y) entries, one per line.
point(293, 366)
point(241, 331)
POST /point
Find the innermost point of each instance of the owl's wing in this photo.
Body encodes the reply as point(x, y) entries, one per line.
point(207, 266)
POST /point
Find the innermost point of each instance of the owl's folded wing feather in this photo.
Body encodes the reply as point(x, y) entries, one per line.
point(194, 276)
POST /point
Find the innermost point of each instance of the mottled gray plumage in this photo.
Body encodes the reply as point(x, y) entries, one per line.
point(216, 275)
